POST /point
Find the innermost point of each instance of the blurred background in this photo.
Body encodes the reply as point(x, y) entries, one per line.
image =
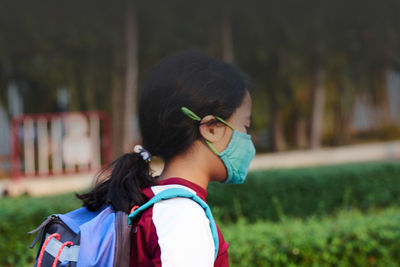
point(326, 80)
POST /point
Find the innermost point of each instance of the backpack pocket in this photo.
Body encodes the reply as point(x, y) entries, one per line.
point(58, 243)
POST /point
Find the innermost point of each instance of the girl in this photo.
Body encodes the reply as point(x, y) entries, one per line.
point(194, 113)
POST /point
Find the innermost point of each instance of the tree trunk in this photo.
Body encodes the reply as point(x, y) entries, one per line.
point(278, 132)
point(317, 119)
point(117, 105)
point(344, 115)
point(301, 133)
point(131, 129)
point(90, 86)
point(318, 88)
point(227, 46)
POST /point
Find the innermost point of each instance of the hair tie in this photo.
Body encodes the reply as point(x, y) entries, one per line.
point(146, 156)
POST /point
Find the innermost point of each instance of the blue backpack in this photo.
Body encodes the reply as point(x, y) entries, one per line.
point(83, 238)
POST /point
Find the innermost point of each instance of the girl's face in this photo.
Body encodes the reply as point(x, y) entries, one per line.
point(240, 121)
point(241, 118)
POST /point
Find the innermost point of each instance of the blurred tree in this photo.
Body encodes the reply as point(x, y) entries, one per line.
point(318, 75)
point(226, 27)
point(309, 61)
point(131, 133)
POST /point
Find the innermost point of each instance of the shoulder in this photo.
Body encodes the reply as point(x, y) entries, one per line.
point(177, 209)
point(180, 211)
point(183, 231)
point(176, 212)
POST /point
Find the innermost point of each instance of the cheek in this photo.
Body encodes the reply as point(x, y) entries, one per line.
point(223, 143)
point(241, 129)
point(226, 139)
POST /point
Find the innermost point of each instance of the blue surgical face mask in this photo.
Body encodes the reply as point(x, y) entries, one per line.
point(236, 156)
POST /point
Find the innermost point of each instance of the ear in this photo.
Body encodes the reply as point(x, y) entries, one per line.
point(212, 132)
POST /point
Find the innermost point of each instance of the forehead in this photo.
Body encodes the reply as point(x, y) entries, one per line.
point(244, 110)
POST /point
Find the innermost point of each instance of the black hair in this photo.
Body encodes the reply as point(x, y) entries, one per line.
point(205, 85)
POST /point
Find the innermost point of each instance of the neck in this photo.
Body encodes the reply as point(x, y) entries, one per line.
point(188, 167)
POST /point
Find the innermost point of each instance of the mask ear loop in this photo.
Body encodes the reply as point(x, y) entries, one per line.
point(193, 116)
point(224, 122)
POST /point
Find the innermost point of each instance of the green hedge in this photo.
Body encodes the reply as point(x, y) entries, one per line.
point(303, 192)
point(265, 195)
point(349, 239)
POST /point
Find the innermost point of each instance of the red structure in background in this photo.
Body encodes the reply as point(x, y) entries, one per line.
point(44, 123)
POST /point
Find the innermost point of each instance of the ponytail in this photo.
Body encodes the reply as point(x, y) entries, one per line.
point(120, 184)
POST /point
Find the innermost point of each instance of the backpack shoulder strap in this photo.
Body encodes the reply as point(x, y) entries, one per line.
point(180, 192)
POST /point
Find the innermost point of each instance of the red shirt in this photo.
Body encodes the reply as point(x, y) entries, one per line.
point(176, 232)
